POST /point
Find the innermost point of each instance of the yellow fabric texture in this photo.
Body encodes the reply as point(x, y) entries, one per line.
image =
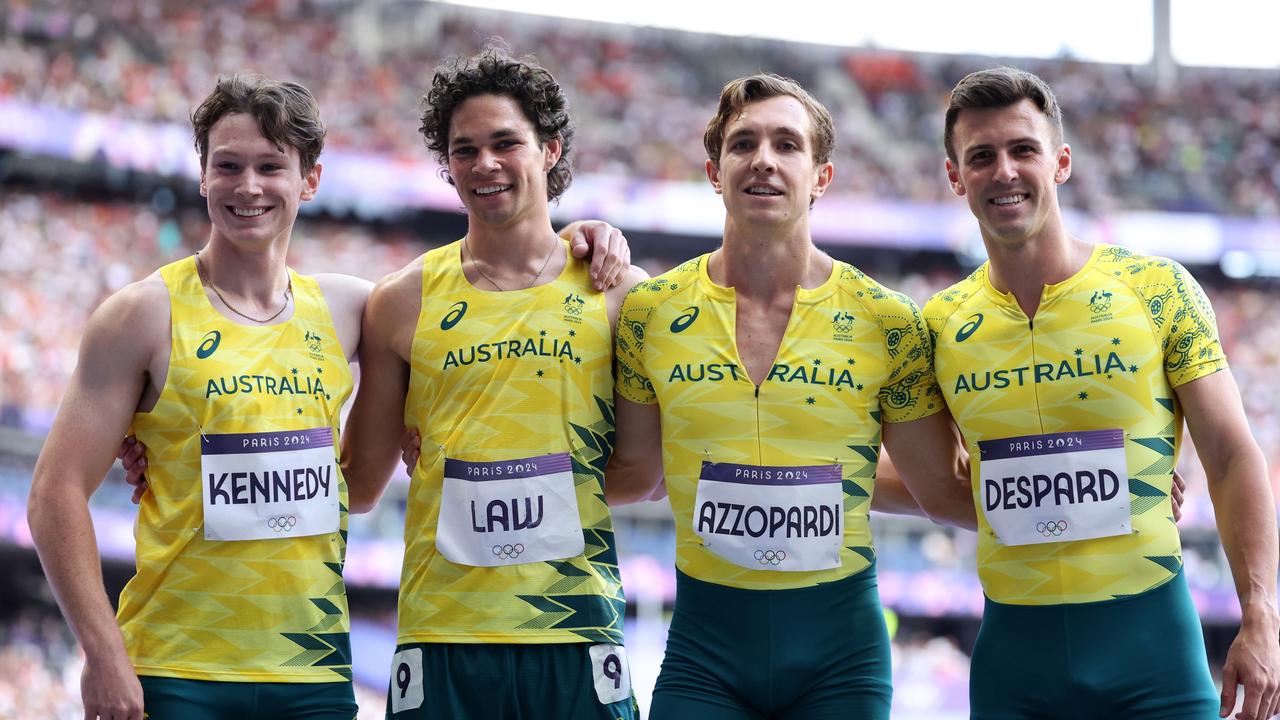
point(250, 610)
point(1106, 349)
point(501, 376)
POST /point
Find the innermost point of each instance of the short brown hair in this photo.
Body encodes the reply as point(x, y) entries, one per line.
point(996, 88)
point(286, 112)
point(737, 94)
point(495, 72)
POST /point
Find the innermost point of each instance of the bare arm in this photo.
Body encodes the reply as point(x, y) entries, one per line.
point(371, 441)
point(1246, 512)
point(105, 390)
point(346, 297)
point(933, 469)
point(634, 472)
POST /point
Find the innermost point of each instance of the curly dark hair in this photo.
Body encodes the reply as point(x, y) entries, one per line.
point(495, 72)
point(286, 113)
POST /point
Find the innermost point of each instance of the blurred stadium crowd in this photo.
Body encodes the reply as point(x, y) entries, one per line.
point(641, 98)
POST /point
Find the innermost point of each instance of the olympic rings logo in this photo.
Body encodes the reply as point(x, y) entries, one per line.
point(1053, 528)
point(508, 552)
point(771, 557)
point(284, 523)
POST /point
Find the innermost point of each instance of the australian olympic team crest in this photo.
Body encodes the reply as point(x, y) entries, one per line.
point(315, 345)
point(842, 326)
point(1100, 306)
point(573, 305)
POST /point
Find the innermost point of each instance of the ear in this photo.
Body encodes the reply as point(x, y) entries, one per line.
point(713, 174)
point(552, 150)
point(1063, 170)
point(204, 186)
point(826, 174)
point(311, 182)
point(953, 178)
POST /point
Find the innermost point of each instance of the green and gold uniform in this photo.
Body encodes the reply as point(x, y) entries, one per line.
point(1073, 428)
point(508, 540)
point(771, 484)
point(242, 535)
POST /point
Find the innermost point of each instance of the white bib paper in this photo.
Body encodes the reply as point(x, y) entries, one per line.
point(771, 518)
point(509, 512)
point(268, 485)
point(1056, 487)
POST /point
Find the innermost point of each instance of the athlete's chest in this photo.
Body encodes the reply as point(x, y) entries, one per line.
point(556, 332)
point(824, 355)
point(1082, 351)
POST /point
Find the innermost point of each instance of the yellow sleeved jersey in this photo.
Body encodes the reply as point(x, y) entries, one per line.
point(1072, 423)
point(771, 484)
point(241, 537)
point(507, 535)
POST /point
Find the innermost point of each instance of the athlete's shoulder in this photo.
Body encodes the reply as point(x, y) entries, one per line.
point(653, 292)
point(1136, 269)
point(132, 325)
point(881, 300)
point(949, 300)
point(345, 294)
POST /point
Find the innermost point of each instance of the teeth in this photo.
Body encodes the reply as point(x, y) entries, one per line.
point(248, 212)
point(491, 189)
point(762, 191)
point(1009, 199)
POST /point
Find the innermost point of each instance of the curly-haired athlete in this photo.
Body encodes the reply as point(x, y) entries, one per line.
point(766, 375)
point(498, 351)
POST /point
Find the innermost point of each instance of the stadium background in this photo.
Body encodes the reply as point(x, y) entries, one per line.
point(97, 189)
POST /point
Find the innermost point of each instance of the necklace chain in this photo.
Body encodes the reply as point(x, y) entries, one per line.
point(288, 292)
point(466, 249)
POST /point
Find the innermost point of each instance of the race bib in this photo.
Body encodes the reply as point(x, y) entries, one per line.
point(269, 485)
point(1055, 488)
point(771, 518)
point(509, 512)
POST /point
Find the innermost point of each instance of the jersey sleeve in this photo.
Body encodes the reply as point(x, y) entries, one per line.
point(911, 391)
point(631, 380)
point(1186, 325)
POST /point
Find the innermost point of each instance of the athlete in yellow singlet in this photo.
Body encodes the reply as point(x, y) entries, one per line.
point(1069, 370)
point(497, 350)
point(766, 376)
point(232, 368)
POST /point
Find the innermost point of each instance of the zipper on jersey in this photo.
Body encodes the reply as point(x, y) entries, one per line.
point(1035, 386)
point(759, 445)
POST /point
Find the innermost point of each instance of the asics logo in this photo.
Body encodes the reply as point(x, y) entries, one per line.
point(208, 344)
point(451, 318)
point(681, 323)
point(969, 328)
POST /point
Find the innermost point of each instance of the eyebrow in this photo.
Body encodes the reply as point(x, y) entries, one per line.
point(752, 132)
point(1026, 140)
point(495, 135)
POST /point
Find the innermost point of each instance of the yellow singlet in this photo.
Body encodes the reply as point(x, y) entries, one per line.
point(507, 535)
point(1072, 423)
point(242, 462)
point(771, 485)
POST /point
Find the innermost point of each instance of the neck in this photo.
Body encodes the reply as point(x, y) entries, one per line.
point(257, 276)
point(768, 261)
point(1025, 269)
point(514, 258)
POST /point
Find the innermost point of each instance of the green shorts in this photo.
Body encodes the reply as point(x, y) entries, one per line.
point(179, 699)
point(483, 681)
point(1140, 658)
point(814, 653)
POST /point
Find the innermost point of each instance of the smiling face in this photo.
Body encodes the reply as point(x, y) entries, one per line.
point(1008, 166)
point(497, 164)
point(766, 171)
point(253, 188)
